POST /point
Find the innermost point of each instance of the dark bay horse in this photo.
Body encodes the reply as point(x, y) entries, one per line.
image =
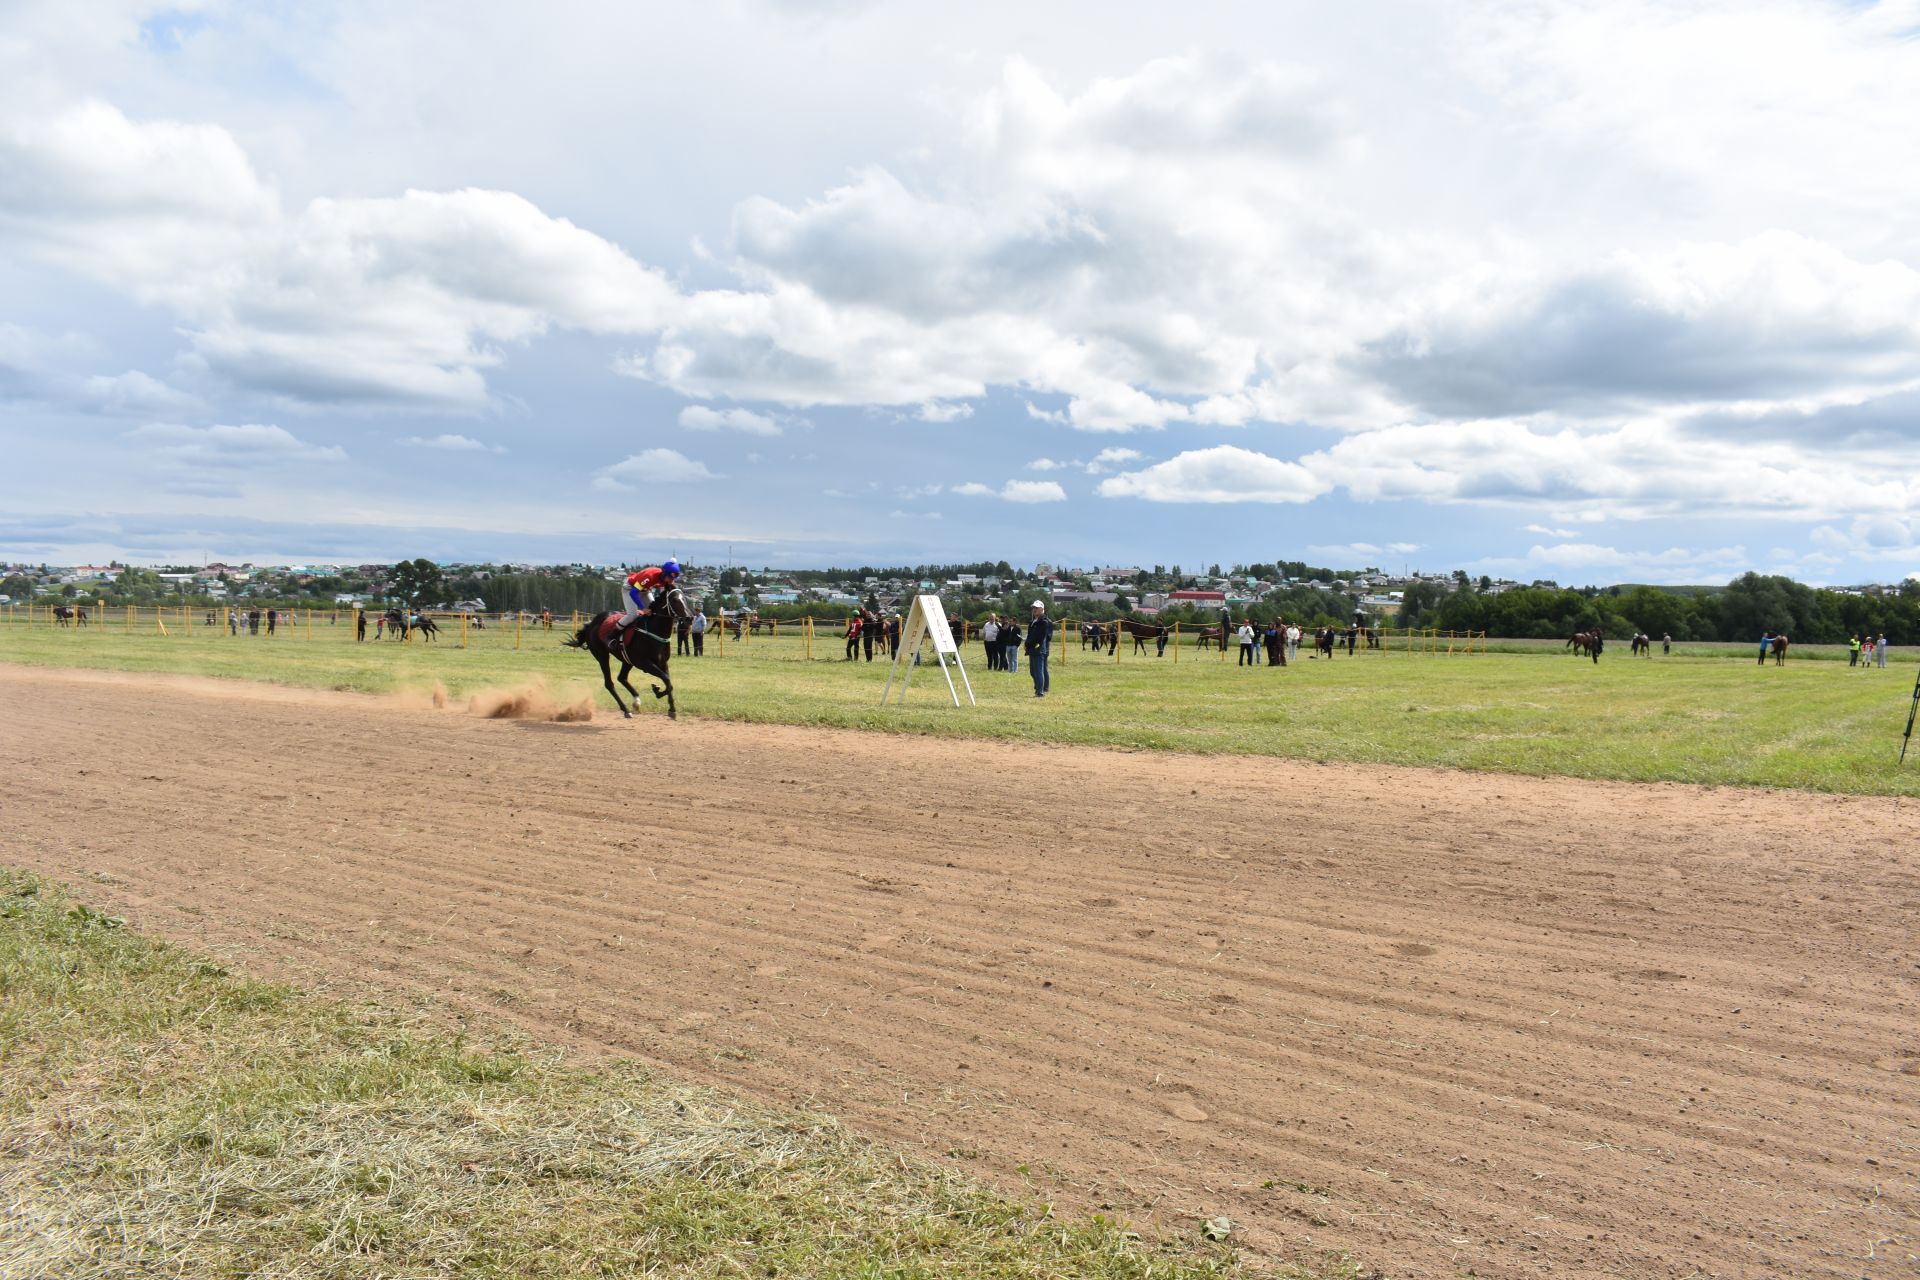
point(1586, 644)
point(1643, 644)
point(647, 644)
point(1141, 633)
point(1778, 648)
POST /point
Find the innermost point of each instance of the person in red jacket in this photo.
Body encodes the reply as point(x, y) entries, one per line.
point(639, 583)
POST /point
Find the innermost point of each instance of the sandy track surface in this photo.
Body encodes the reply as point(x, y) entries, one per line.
point(1453, 1024)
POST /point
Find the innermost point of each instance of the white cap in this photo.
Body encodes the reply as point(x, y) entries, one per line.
point(1040, 604)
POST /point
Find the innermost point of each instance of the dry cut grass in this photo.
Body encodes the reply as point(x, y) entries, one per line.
point(160, 1116)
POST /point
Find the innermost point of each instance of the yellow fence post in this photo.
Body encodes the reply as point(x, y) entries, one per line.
point(463, 630)
point(518, 615)
point(1176, 644)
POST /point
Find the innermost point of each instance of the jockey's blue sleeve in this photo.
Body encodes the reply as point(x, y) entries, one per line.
point(638, 597)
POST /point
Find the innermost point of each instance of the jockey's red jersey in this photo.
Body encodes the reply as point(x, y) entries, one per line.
point(647, 579)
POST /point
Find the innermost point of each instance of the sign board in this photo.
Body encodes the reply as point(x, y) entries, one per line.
point(927, 620)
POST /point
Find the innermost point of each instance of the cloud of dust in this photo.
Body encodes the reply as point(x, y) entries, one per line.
point(529, 702)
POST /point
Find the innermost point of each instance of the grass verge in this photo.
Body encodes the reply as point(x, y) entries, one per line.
point(160, 1116)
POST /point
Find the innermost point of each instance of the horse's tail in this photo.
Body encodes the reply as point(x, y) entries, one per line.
point(588, 627)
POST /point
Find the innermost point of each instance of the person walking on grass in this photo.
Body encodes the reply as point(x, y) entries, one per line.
point(360, 626)
point(1039, 640)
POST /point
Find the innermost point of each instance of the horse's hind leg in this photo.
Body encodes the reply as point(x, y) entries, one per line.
point(606, 674)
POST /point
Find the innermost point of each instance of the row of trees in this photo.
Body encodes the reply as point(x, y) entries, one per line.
point(1740, 611)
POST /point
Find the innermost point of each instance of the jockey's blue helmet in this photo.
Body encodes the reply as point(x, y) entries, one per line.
point(671, 568)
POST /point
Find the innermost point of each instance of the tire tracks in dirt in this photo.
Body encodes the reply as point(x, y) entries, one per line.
point(1446, 1022)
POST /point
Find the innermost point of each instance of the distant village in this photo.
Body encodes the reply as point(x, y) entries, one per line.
point(464, 587)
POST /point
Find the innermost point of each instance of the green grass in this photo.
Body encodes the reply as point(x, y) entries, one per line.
point(1708, 714)
point(159, 1116)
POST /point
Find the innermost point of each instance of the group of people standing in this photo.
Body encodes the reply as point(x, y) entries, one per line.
point(1002, 639)
point(1867, 650)
point(690, 636)
point(867, 628)
point(1280, 639)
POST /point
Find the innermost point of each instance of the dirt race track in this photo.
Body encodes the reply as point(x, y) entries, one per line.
point(1454, 1024)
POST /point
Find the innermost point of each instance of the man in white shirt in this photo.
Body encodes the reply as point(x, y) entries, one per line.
point(1246, 644)
point(990, 636)
point(699, 632)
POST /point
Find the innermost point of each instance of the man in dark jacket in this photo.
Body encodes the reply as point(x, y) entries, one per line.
point(1039, 640)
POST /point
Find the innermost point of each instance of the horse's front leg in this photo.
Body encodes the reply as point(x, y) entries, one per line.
point(625, 667)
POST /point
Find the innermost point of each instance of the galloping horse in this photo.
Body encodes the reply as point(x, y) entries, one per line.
point(1643, 644)
point(647, 644)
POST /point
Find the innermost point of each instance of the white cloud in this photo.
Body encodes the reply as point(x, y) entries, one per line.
point(1024, 491)
point(1111, 458)
point(1032, 491)
point(360, 299)
point(650, 466)
point(1046, 464)
point(246, 446)
point(1223, 473)
point(1551, 532)
point(697, 417)
point(450, 443)
point(939, 411)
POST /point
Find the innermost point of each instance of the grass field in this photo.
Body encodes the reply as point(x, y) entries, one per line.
point(1708, 714)
point(162, 1117)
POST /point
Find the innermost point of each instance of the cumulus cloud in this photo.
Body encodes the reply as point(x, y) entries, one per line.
point(696, 417)
point(650, 466)
point(1224, 473)
point(383, 300)
point(1027, 491)
point(1045, 464)
point(1111, 458)
point(1032, 491)
point(450, 443)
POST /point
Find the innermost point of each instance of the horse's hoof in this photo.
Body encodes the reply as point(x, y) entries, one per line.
point(658, 692)
point(672, 714)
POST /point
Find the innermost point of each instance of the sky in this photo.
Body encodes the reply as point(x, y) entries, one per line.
point(1619, 292)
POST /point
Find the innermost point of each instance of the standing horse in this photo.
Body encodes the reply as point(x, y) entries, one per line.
point(1643, 644)
point(1141, 633)
point(647, 644)
point(62, 616)
point(1779, 651)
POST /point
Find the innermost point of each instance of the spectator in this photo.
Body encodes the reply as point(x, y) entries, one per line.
point(360, 625)
point(1293, 642)
point(893, 634)
point(853, 636)
point(1010, 647)
point(1880, 651)
point(1666, 644)
point(1039, 640)
point(683, 638)
point(699, 628)
point(1853, 651)
point(990, 637)
point(1246, 644)
point(273, 620)
point(1275, 656)
point(869, 631)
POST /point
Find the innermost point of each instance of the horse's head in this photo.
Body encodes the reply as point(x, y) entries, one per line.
point(676, 602)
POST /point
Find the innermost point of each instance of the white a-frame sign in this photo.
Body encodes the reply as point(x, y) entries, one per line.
point(927, 621)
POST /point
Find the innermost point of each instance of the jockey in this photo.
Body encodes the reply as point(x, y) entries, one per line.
point(639, 583)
